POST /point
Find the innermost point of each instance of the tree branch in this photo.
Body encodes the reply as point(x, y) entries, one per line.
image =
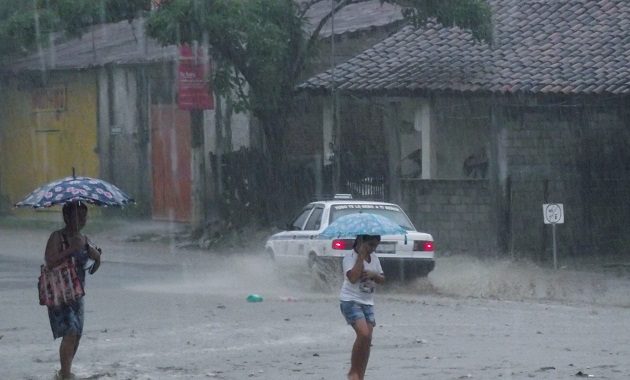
point(315, 34)
point(305, 6)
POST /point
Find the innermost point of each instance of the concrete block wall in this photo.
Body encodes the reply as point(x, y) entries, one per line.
point(568, 155)
point(541, 154)
point(458, 213)
point(123, 133)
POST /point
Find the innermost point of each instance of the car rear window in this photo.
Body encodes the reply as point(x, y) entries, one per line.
point(392, 212)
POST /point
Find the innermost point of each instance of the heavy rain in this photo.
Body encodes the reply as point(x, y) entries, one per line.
point(188, 187)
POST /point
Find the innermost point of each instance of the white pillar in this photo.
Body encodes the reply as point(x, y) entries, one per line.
point(327, 128)
point(392, 121)
point(422, 122)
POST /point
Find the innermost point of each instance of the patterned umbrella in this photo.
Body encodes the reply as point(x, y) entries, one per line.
point(349, 226)
point(86, 189)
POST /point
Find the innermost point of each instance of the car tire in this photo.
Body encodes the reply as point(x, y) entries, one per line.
point(423, 269)
point(270, 254)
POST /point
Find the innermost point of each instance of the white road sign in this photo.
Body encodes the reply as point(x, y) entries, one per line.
point(553, 213)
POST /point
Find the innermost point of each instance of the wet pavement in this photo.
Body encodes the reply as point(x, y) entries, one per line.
point(154, 311)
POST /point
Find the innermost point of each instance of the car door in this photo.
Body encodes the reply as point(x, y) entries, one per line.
point(307, 238)
point(285, 242)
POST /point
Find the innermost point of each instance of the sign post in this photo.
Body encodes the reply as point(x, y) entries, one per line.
point(193, 73)
point(553, 213)
point(194, 95)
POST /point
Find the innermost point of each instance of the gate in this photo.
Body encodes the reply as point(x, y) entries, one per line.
point(364, 175)
point(170, 162)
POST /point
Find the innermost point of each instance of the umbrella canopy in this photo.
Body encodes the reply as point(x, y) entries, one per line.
point(349, 226)
point(69, 189)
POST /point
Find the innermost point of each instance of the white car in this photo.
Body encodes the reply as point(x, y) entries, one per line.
point(405, 256)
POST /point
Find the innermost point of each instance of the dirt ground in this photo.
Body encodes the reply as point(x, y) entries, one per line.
point(155, 311)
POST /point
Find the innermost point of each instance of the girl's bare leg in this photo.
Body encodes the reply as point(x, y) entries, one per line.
point(360, 349)
point(367, 351)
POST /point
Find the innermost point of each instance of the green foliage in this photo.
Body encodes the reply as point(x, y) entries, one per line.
point(20, 26)
point(260, 39)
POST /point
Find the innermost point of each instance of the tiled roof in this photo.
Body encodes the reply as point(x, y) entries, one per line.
point(126, 43)
point(559, 46)
point(117, 43)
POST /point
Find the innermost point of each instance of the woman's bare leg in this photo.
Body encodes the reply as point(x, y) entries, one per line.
point(360, 349)
point(67, 349)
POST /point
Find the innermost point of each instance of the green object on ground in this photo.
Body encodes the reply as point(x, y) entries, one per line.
point(254, 298)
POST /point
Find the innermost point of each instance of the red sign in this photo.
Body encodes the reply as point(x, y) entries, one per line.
point(192, 81)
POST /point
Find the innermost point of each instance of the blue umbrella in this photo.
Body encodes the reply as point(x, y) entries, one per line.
point(69, 189)
point(349, 226)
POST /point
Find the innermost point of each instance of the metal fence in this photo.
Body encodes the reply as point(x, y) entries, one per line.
point(366, 188)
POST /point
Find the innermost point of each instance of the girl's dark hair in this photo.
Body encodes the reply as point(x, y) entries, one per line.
point(366, 238)
point(70, 206)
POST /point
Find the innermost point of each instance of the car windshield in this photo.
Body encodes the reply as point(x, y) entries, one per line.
point(389, 211)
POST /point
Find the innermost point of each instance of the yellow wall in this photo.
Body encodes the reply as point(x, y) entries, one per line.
point(40, 143)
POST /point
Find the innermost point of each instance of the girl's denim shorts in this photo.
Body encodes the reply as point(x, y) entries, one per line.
point(353, 311)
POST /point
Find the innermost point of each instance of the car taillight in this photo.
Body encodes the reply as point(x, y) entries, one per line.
point(344, 244)
point(423, 245)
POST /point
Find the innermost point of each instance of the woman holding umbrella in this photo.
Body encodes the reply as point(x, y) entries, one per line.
point(66, 321)
point(73, 193)
point(362, 270)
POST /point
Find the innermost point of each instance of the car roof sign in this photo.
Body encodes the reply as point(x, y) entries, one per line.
point(365, 206)
point(343, 196)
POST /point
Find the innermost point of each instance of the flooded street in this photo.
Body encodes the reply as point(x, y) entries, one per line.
point(156, 312)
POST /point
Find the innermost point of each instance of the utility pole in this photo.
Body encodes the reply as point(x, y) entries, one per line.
point(198, 166)
point(336, 135)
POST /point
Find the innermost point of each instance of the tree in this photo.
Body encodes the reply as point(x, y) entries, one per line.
point(263, 45)
point(268, 47)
